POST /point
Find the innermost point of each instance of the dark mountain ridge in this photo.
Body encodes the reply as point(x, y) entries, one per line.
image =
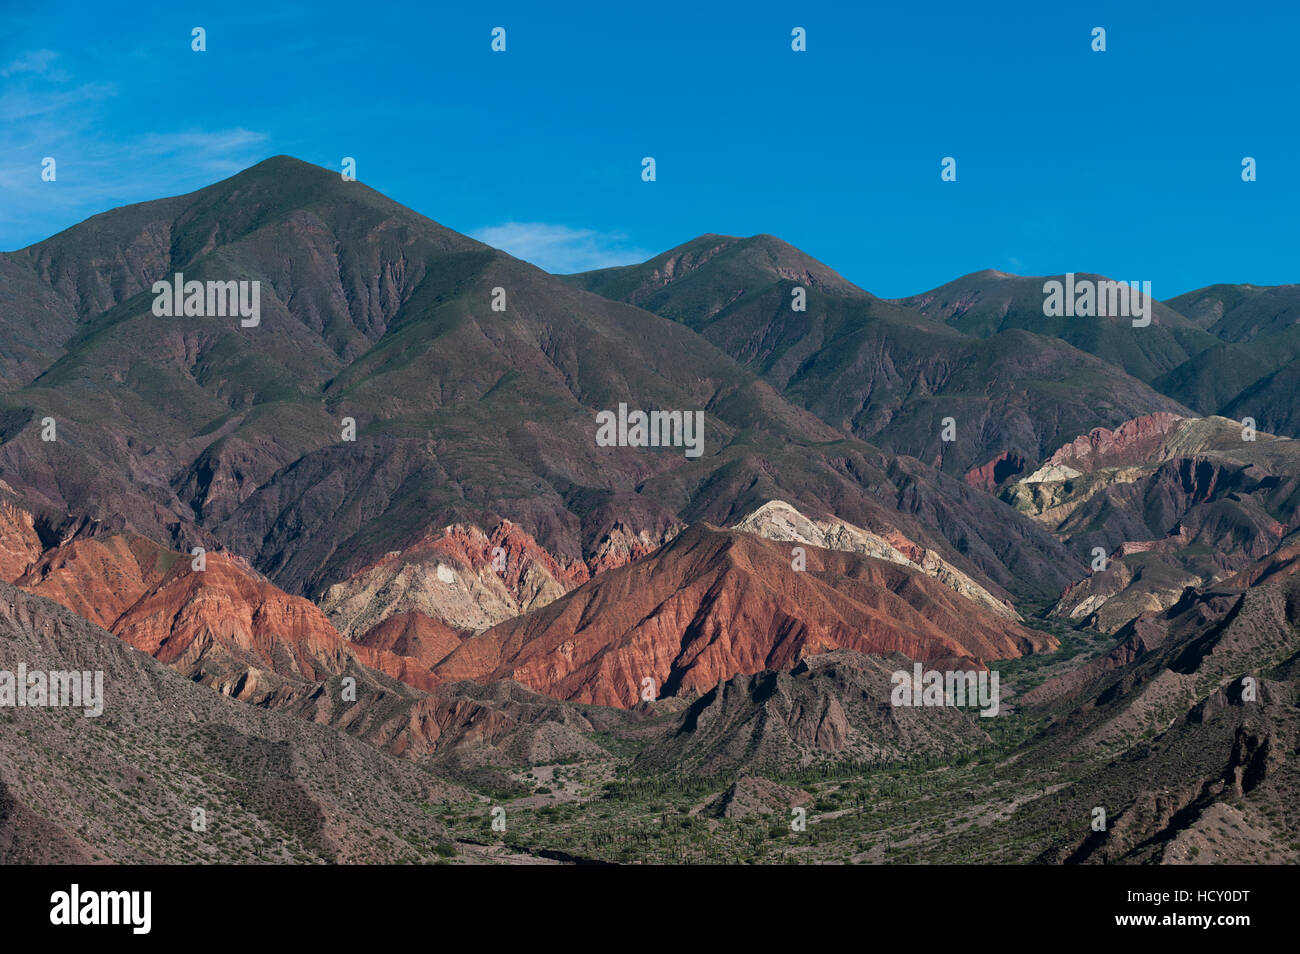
point(196, 431)
point(892, 372)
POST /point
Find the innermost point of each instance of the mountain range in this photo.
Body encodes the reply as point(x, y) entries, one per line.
point(379, 523)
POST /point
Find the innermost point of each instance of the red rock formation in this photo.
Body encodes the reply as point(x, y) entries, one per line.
point(461, 576)
point(622, 545)
point(714, 603)
point(520, 550)
point(99, 578)
point(413, 635)
point(227, 617)
point(904, 545)
point(988, 477)
point(1138, 441)
point(473, 548)
point(216, 624)
point(707, 606)
point(19, 544)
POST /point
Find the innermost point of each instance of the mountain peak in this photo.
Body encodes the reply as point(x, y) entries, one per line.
point(716, 262)
point(282, 161)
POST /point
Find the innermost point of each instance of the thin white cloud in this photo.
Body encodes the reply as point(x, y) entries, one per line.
point(94, 176)
point(44, 112)
point(561, 249)
point(27, 104)
point(32, 61)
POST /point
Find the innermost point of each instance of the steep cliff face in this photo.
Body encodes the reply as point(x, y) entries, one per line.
point(713, 604)
point(20, 546)
point(989, 476)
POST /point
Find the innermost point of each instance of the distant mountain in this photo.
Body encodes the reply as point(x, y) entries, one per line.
point(984, 304)
point(1238, 313)
point(197, 431)
point(693, 283)
point(1255, 369)
point(1232, 350)
point(887, 372)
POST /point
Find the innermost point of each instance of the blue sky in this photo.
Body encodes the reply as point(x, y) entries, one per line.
point(1125, 163)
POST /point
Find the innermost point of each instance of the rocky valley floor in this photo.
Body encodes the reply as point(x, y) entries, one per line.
point(1187, 768)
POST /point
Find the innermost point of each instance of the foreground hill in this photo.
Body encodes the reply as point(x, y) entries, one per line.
point(1195, 708)
point(124, 787)
point(832, 707)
